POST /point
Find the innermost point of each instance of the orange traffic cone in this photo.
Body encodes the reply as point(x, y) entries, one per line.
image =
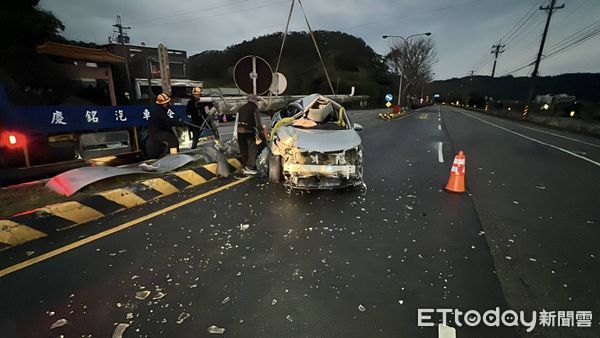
point(456, 183)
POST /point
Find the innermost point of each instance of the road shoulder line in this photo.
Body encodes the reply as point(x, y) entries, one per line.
point(532, 139)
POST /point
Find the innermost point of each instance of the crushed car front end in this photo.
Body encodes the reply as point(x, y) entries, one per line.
point(303, 169)
point(316, 148)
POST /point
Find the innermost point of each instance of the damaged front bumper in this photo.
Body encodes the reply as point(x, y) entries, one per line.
point(339, 170)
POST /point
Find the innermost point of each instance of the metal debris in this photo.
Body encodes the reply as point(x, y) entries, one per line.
point(361, 308)
point(244, 226)
point(183, 316)
point(274, 301)
point(141, 295)
point(215, 329)
point(225, 300)
point(289, 318)
point(58, 323)
point(159, 295)
point(119, 330)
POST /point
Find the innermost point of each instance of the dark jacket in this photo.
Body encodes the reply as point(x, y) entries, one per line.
point(162, 119)
point(248, 114)
point(196, 110)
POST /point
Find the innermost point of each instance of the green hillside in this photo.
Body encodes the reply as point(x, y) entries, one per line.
point(349, 61)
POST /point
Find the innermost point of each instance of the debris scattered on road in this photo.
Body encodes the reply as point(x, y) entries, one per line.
point(244, 226)
point(50, 313)
point(183, 316)
point(473, 247)
point(401, 302)
point(540, 187)
point(29, 253)
point(58, 323)
point(274, 301)
point(408, 207)
point(289, 318)
point(361, 308)
point(129, 315)
point(516, 202)
point(141, 295)
point(533, 259)
point(119, 330)
point(215, 329)
point(508, 257)
point(159, 295)
point(225, 300)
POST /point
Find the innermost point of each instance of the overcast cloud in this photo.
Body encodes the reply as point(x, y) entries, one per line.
point(463, 30)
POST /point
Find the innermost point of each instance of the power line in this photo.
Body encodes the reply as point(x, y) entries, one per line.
point(220, 14)
point(189, 12)
point(533, 25)
point(575, 35)
point(413, 14)
point(580, 36)
point(574, 42)
point(519, 24)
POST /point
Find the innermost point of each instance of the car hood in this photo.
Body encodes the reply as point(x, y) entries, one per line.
point(319, 140)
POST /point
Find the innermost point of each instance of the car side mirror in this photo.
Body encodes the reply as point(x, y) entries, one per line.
point(358, 127)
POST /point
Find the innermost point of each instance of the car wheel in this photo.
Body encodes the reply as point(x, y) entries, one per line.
point(275, 168)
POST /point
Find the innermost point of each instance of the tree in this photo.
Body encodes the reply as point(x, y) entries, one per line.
point(413, 59)
point(22, 69)
point(349, 60)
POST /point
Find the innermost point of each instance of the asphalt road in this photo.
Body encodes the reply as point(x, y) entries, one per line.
point(257, 261)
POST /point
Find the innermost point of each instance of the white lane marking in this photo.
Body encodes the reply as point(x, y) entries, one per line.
point(439, 127)
point(557, 135)
point(532, 139)
point(440, 152)
point(445, 331)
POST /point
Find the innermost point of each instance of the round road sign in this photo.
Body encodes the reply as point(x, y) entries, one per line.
point(252, 74)
point(279, 84)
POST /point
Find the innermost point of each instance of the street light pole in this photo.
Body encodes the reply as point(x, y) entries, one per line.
point(405, 40)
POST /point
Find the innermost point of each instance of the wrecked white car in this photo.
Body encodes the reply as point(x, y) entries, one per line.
point(314, 145)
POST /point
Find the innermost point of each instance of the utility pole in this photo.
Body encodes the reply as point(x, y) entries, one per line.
point(550, 10)
point(121, 39)
point(471, 73)
point(536, 68)
point(497, 49)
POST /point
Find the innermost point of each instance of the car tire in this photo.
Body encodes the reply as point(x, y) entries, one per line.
point(275, 168)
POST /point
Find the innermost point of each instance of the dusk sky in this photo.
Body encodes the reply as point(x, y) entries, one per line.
point(463, 30)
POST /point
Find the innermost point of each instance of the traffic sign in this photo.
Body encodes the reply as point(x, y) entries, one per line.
point(388, 104)
point(389, 97)
point(252, 74)
point(279, 84)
